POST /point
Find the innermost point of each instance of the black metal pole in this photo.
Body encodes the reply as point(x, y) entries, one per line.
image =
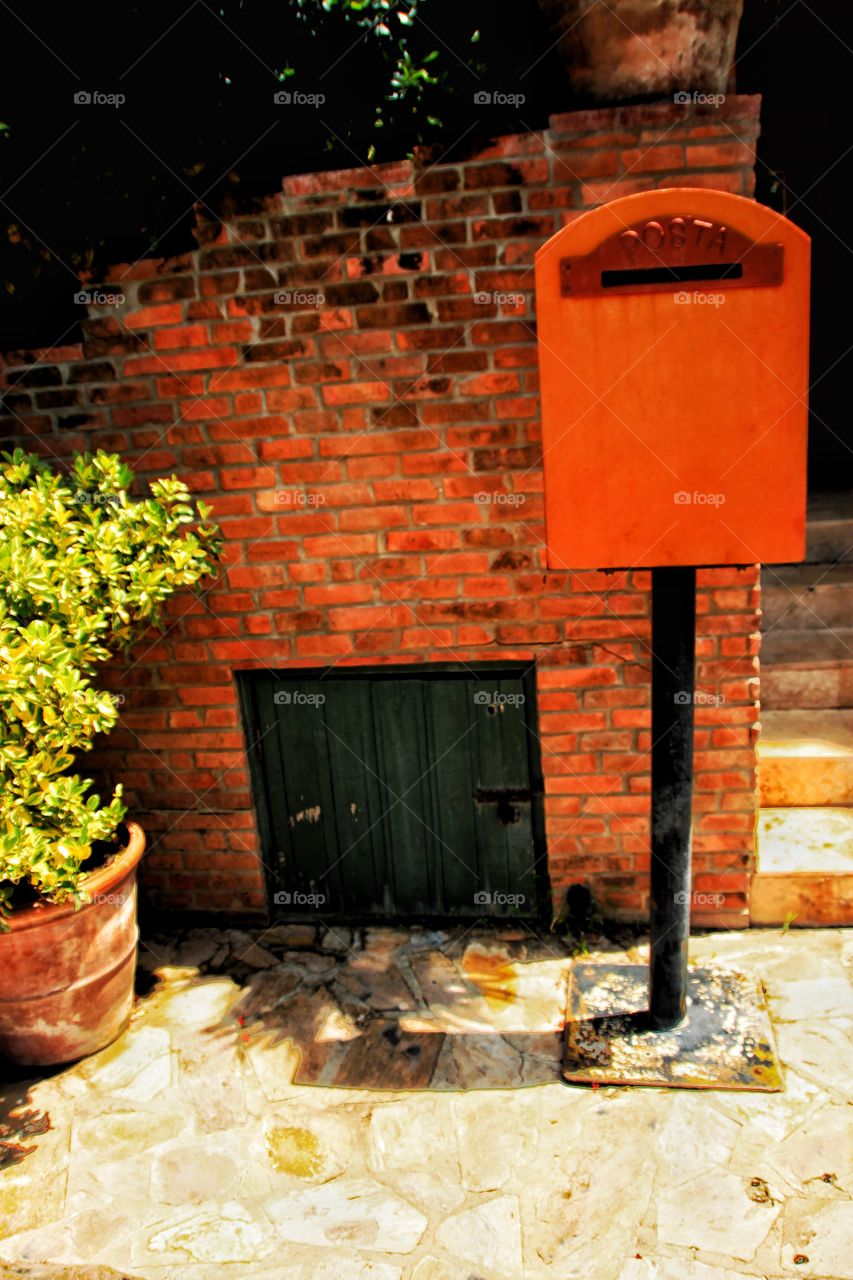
point(673, 682)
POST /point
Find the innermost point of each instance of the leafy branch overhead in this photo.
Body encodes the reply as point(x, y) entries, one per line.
point(393, 26)
point(84, 572)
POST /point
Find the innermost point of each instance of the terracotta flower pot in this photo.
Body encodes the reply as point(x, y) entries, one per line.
point(66, 976)
point(627, 49)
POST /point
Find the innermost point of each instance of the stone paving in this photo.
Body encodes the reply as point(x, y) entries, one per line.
point(386, 1106)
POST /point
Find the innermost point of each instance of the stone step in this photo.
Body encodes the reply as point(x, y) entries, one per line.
point(804, 873)
point(829, 529)
point(808, 668)
point(805, 758)
point(807, 596)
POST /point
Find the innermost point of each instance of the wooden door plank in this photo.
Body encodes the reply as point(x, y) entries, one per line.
point(398, 720)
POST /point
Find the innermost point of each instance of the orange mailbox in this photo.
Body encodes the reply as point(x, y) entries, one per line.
point(673, 351)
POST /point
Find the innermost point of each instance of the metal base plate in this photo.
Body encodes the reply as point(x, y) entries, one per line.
point(725, 1041)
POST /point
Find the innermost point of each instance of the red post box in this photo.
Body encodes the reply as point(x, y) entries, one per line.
point(673, 352)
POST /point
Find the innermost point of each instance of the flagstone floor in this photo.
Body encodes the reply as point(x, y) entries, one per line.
point(340, 1105)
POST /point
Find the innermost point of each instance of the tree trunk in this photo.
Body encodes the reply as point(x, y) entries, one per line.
point(628, 49)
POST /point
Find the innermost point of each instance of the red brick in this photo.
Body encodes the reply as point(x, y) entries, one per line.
point(188, 335)
point(207, 407)
point(247, 477)
point(344, 545)
point(718, 155)
point(147, 317)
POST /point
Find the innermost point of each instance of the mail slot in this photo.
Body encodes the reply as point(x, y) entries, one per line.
point(673, 354)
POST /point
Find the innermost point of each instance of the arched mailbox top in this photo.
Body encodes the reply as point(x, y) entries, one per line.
point(673, 354)
point(683, 215)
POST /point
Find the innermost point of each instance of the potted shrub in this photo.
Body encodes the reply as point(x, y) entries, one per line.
point(84, 571)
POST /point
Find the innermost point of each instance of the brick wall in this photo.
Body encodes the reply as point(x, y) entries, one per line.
point(346, 446)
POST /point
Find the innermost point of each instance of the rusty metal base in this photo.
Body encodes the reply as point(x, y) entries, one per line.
point(725, 1041)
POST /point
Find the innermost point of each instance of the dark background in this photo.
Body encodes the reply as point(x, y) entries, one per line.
point(85, 185)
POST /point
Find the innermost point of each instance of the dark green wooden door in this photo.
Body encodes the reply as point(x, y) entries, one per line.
point(398, 793)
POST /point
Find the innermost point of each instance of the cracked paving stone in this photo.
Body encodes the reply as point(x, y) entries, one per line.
point(197, 1168)
point(410, 1133)
point(264, 991)
point(494, 1140)
point(308, 1145)
point(244, 950)
point(435, 1190)
point(385, 1057)
point(310, 962)
point(368, 978)
point(339, 940)
point(219, 1233)
point(198, 947)
point(715, 1213)
point(820, 1232)
point(136, 1068)
point(822, 1145)
point(190, 1005)
point(292, 936)
point(358, 1213)
point(488, 1235)
point(123, 1132)
point(477, 1062)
